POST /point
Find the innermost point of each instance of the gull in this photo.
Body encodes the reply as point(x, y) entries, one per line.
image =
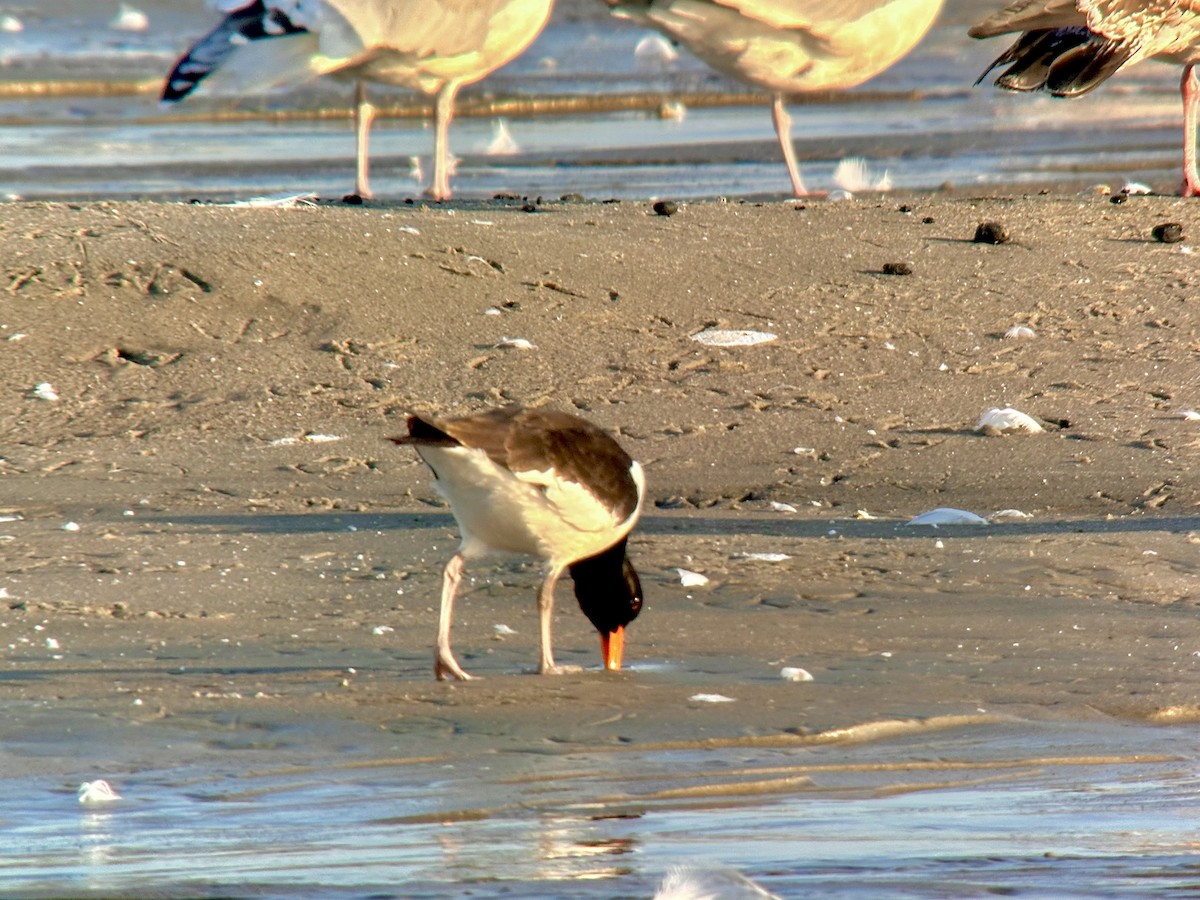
point(790, 46)
point(546, 484)
point(1069, 47)
point(432, 46)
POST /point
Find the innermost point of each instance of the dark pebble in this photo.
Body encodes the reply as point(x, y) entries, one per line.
point(904, 208)
point(352, 200)
point(928, 220)
point(991, 233)
point(1168, 232)
point(1119, 198)
point(529, 207)
point(897, 268)
point(571, 198)
point(506, 195)
point(665, 207)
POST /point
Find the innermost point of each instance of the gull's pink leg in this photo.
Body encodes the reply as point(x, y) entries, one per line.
point(1189, 87)
point(443, 112)
point(444, 662)
point(783, 130)
point(364, 115)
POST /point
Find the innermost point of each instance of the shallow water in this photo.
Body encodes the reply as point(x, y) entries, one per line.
point(922, 121)
point(972, 809)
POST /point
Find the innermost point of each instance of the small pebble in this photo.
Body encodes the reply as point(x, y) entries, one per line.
point(928, 220)
point(897, 268)
point(1168, 232)
point(991, 233)
point(352, 200)
point(665, 207)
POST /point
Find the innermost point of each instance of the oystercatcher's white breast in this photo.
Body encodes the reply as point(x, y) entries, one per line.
point(541, 513)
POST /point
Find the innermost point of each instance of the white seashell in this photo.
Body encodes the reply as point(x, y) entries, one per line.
point(863, 514)
point(408, 229)
point(1019, 332)
point(315, 438)
point(1007, 420)
point(278, 201)
point(710, 698)
point(70, 526)
point(946, 515)
point(382, 629)
point(672, 110)
point(688, 578)
point(782, 507)
point(840, 195)
point(507, 343)
point(502, 142)
point(45, 391)
point(1189, 415)
point(52, 644)
point(129, 19)
point(502, 630)
point(795, 673)
point(1096, 190)
point(1136, 187)
point(692, 883)
point(1009, 514)
point(99, 791)
point(853, 175)
point(761, 557)
point(656, 50)
point(717, 337)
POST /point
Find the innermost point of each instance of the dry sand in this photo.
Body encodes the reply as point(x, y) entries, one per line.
point(226, 558)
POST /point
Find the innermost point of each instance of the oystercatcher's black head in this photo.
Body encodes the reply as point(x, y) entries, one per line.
point(610, 595)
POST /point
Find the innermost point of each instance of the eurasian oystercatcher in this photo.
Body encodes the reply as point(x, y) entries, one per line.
point(547, 484)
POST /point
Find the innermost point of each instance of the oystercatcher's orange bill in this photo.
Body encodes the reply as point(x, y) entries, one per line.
point(612, 645)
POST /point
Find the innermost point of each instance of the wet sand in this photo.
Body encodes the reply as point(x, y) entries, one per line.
point(225, 558)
